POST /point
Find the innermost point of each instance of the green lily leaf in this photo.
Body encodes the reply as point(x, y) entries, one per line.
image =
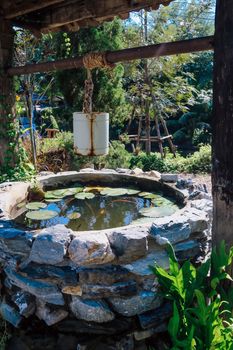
point(36, 205)
point(157, 212)
point(41, 214)
point(84, 195)
point(74, 216)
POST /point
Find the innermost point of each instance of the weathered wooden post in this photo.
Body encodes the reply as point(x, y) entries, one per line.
point(8, 135)
point(223, 124)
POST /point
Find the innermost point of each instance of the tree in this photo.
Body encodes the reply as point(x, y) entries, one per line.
point(222, 175)
point(9, 157)
point(108, 95)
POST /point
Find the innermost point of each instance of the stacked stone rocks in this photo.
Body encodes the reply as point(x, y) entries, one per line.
point(97, 282)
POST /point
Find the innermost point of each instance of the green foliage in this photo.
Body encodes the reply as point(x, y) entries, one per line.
point(63, 140)
point(201, 136)
point(117, 157)
point(198, 162)
point(16, 165)
point(148, 162)
point(200, 317)
point(48, 119)
point(108, 94)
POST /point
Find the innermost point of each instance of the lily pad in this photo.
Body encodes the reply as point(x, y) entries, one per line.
point(132, 192)
point(53, 200)
point(114, 192)
point(73, 190)
point(84, 195)
point(58, 193)
point(74, 216)
point(157, 212)
point(51, 195)
point(36, 205)
point(147, 195)
point(93, 188)
point(41, 214)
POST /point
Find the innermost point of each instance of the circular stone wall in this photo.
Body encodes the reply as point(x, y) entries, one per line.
point(96, 281)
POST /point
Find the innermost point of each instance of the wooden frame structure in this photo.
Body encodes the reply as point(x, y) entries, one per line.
point(52, 15)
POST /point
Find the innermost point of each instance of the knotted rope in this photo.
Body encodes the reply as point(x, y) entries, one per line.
point(96, 60)
point(90, 61)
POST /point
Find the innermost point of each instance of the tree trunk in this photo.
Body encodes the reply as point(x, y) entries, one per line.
point(222, 174)
point(8, 135)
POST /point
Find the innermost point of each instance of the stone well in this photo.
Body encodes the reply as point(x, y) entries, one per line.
point(95, 282)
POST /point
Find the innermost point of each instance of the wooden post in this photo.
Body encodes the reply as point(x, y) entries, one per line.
point(222, 175)
point(147, 113)
point(171, 145)
point(139, 133)
point(8, 134)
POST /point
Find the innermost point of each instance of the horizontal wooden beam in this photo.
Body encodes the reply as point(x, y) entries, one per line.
point(27, 7)
point(150, 51)
point(64, 14)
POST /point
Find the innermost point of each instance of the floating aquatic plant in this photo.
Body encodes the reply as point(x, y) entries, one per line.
point(36, 205)
point(114, 192)
point(147, 195)
point(41, 214)
point(156, 212)
point(84, 195)
point(74, 216)
point(53, 200)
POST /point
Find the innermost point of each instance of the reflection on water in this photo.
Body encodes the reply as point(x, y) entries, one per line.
point(101, 212)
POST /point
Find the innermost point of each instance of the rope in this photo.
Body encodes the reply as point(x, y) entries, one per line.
point(90, 61)
point(88, 92)
point(96, 60)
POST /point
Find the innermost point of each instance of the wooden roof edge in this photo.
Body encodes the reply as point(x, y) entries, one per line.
point(53, 15)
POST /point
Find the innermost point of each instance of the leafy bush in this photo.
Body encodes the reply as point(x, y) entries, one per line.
point(201, 318)
point(201, 136)
point(198, 162)
point(118, 157)
point(63, 140)
point(148, 162)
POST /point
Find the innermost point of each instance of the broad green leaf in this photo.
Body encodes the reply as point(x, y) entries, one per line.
point(74, 216)
point(157, 212)
point(84, 195)
point(174, 322)
point(36, 205)
point(41, 214)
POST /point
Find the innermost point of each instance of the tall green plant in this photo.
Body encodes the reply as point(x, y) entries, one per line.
point(201, 318)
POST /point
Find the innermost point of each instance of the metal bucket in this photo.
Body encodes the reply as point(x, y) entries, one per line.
point(91, 133)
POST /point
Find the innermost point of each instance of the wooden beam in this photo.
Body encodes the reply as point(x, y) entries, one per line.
point(27, 7)
point(81, 10)
point(165, 49)
point(65, 14)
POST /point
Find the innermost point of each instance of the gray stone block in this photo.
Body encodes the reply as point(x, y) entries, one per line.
point(129, 243)
point(25, 303)
point(107, 274)
point(90, 248)
point(50, 245)
point(10, 314)
point(169, 177)
point(48, 315)
point(143, 301)
point(97, 291)
point(91, 310)
point(46, 291)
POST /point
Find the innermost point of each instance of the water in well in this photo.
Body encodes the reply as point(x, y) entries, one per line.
point(94, 208)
